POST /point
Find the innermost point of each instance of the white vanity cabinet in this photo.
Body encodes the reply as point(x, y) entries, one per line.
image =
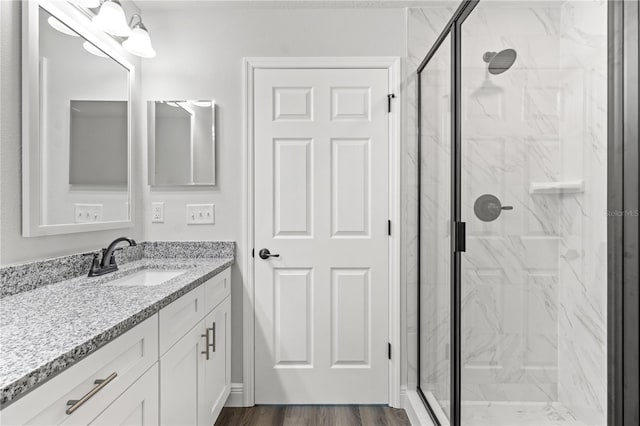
point(137, 406)
point(159, 372)
point(118, 365)
point(195, 371)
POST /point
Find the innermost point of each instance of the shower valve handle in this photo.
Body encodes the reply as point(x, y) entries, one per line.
point(506, 208)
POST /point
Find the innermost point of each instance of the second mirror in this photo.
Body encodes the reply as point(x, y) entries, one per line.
point(181, 138)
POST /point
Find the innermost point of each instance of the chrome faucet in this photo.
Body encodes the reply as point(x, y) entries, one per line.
point(108, 262)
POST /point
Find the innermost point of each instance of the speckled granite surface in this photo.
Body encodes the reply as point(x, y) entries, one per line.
point(28, 276)
point(45, 330)
point(188, 249)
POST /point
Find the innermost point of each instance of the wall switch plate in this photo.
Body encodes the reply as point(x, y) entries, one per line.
point(200, 214)
point(86, 213)
point(157, 212)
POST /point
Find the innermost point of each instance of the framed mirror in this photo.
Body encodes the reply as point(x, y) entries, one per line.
point(181, 142)
point(76, 124)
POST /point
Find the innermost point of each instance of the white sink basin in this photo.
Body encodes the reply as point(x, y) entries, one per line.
point(147, 277)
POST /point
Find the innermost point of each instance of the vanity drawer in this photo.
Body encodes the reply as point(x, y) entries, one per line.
point(119, 364)
point(177, 318)
point(217, 289)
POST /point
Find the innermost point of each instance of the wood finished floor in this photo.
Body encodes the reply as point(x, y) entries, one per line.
point(313, 415)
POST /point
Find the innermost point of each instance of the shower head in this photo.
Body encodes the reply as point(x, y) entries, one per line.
point(501, 61)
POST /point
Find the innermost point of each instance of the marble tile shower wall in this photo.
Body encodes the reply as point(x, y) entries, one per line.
point(582, 351)
point(534, 281)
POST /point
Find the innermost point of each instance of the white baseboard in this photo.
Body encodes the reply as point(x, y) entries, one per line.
point(414, 408)
point(236, 397)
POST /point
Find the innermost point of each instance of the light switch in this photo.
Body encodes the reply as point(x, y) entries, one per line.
point(200, 214)
point(85, 213)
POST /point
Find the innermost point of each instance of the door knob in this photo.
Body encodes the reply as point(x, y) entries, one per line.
point(265, 254)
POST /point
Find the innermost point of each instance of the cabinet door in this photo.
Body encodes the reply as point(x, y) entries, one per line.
point(180, 371)
point(138, 405)
point(215, 386)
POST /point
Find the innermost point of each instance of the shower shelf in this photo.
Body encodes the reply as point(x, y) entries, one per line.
point(559, 187)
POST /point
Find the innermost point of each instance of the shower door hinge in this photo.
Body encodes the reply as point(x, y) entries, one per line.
point(389, 350)
point(460, 236)
point(389, 97)
point(253, 252)
point(389, 227)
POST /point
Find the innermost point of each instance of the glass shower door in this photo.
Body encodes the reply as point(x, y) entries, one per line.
point(533, 196)
point(434, 236)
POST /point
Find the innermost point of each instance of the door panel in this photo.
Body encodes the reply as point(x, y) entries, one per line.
point(138, 405)
point(321, 203)
point(180, 373)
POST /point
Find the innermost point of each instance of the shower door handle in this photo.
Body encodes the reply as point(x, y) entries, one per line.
point(460, 236)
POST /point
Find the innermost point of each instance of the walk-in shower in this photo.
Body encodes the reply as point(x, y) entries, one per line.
point(512, 116)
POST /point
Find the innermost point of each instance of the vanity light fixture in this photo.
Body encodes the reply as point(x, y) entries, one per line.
point(111, 19)
point(58, 25)
point(93, 50)
point(139, 42)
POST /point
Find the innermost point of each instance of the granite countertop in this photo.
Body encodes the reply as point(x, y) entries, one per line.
point(46, 330)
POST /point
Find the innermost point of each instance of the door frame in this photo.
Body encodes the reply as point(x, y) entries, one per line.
point(393, 65)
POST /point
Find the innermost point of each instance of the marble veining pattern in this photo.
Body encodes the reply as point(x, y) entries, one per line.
point(44, 331)
point(534, 314)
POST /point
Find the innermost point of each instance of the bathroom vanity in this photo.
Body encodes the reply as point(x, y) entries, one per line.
point(148, 344)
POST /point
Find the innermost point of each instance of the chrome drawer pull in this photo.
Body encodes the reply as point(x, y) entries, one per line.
point(100, 383)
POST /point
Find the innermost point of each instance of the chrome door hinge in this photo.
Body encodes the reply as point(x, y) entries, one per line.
point(389, 97)
point(389, 350)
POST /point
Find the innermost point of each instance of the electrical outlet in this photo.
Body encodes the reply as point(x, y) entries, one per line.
point(157, 212)
point(200, 214)
point(86, 213)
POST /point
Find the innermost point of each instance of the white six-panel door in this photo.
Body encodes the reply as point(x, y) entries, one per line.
point(321, 202)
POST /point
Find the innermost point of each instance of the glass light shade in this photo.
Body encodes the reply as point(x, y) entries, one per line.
point(93, 50)
point(89, 4)
point(57, 25)
point(111, 19)
point(139, 43)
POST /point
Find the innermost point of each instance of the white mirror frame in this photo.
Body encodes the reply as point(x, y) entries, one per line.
point(31, 190)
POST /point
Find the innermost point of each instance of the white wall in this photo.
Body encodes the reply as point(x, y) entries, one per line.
point(13, 247)
point(200, 57)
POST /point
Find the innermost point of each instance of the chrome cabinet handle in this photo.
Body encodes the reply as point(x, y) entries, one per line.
point(100, 384)
point(207, 344)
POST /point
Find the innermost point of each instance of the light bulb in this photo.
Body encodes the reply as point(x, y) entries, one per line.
point(58, 25)
point(111, 19)
point(93, 50)
point(139, 42)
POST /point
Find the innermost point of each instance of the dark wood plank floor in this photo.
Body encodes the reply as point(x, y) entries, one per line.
point(313, 415)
